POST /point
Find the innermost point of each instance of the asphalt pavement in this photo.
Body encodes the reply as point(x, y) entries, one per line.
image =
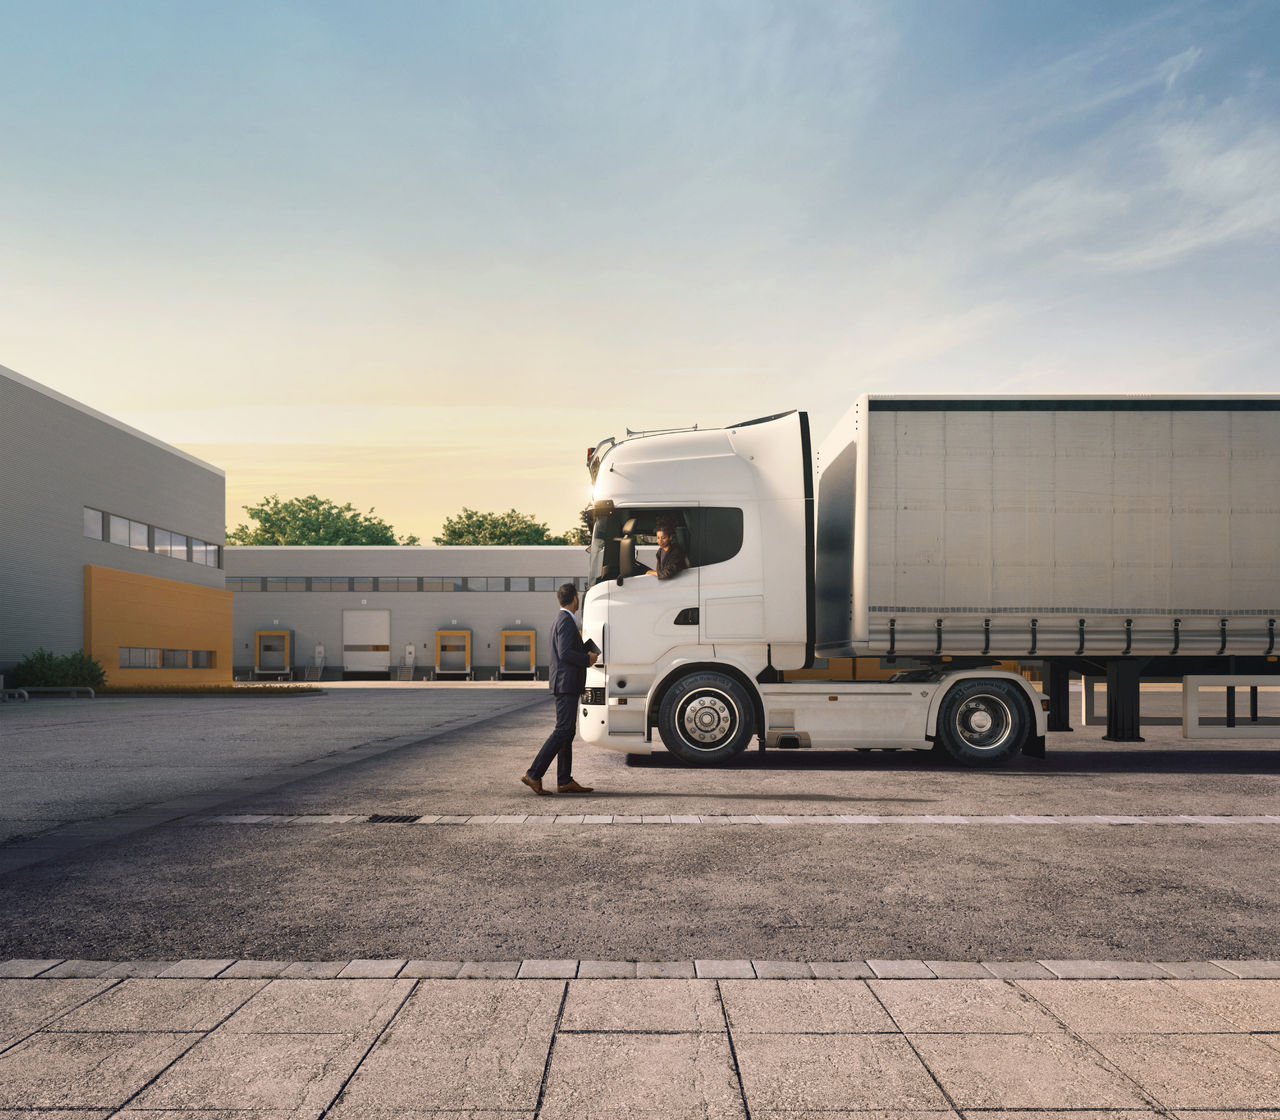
point(828, 876)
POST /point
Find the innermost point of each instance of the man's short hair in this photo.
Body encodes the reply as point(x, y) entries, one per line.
point(565, 593)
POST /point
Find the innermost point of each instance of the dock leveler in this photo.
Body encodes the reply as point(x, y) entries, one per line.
point(516, 659)
point(453, 655)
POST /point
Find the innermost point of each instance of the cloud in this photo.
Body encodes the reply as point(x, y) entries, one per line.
point(1217, 183)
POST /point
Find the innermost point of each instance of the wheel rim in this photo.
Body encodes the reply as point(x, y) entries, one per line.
point(983, 723)
point(707, 720)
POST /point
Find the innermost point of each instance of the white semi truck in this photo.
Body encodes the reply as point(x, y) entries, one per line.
point(1110, 536)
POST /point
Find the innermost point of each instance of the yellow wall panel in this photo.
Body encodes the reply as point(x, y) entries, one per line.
point(126, 609)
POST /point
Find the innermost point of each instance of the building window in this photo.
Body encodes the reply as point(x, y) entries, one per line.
point(202, 552)
point(397, 583)
point(148, 538)
point(442, 583)
point(135, 657)
point(202, 659)
point(173, 545)
point(402, 583)
point(173, 659)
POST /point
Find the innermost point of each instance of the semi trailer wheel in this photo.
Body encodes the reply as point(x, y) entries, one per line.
point(983, 722)
point(706, 719)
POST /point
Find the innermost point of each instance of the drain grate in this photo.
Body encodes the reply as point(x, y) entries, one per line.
point(391, 818)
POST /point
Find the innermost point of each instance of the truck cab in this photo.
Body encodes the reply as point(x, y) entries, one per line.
point(741, 502)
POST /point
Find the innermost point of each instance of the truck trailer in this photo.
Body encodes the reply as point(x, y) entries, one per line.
point(948, 539)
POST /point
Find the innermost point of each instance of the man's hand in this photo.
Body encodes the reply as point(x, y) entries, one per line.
point(592, 657)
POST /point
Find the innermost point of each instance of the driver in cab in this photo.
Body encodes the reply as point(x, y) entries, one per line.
point(671, 559)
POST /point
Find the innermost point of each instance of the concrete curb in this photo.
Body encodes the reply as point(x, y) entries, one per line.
point(708, 969)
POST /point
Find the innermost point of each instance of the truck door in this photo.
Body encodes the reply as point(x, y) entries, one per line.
point(647, 616)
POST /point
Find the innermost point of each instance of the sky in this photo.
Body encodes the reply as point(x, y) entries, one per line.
point(418, 255)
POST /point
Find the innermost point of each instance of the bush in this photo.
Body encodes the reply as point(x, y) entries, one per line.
point(43, 669)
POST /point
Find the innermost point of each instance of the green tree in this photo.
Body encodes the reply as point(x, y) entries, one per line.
point(581, 532)
point(513, 527)
point(312, 520)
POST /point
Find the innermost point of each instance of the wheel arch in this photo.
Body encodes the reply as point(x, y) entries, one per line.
point(1029, 695)
point(688, 668)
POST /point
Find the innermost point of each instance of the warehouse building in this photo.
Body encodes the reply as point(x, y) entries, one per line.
point(110, 541)
point(113, 542)
point(399, 612)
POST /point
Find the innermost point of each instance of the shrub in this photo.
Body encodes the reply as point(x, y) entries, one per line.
point(43, 669)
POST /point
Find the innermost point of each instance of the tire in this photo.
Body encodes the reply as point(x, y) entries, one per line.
point(706, 719)
point(983, 723)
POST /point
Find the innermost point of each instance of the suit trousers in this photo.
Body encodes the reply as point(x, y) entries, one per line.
point(559, 744)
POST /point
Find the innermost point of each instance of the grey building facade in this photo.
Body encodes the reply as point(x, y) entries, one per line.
point(110, 540)
point(349, 599)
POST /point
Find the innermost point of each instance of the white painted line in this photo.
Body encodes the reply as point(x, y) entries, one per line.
point(932, 820)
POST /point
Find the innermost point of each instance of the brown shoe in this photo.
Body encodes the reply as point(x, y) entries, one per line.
point(572, 787)
point(535, 784)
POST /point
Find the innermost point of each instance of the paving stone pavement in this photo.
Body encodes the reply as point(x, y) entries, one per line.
point(579, 1039)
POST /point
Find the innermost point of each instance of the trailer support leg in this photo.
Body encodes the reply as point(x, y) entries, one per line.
point(1124, 700)
point(1059, 697)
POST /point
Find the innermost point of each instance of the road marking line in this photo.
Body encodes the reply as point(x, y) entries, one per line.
point(766, 821)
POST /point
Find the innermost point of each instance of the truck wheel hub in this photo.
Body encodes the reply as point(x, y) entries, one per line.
point(707, 719)
point(983, 722)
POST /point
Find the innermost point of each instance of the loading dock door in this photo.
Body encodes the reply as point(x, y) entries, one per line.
point(366, 641)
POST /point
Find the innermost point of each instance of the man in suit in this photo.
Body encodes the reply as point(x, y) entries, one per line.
point(568, 678)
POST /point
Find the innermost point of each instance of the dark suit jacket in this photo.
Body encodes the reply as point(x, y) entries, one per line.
point(568, 656)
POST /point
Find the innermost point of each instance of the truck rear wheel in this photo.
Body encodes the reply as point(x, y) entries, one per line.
point(983, 722)
point(706, 719)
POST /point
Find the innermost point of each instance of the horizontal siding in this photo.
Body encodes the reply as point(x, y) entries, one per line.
point(55, 459)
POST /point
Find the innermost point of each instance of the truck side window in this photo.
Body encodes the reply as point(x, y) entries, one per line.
point(708, 535)
point(716, 534)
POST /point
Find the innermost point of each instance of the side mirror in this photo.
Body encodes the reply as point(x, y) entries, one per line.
point(626, 557)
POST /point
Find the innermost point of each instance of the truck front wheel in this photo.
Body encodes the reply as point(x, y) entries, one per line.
point(706, 719)
point(983, 722)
